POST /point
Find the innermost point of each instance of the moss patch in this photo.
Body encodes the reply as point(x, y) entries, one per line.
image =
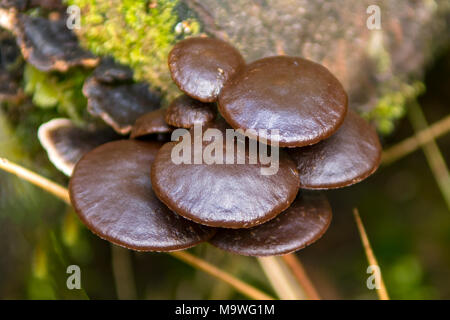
point(138, 33)
point(392, 106)
point(55, 90)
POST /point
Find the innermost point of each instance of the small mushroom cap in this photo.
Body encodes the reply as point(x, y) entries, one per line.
point(108, 71)
point(66, 143)
point(200, 66)
point(185, 112)
point(350, 155)
point(300, 98)
point(303, 223)
point(111, 191)
point(223, 195)
point(120, 105)
point(49, 45)
point(151, 123)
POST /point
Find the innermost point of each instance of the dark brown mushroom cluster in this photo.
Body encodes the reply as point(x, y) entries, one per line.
point(132, 192)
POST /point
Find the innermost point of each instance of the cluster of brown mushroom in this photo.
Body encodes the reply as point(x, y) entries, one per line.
point(131, 193)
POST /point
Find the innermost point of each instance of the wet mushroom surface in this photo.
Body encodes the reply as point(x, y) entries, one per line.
point(200, 66)
point(298, 97)
point(66, 142)
point(151, 123)
point(303, 223)
point(111, 192)
point(347, 157)
point(120, 105)
point(49, 45)
point(146, 195)
point(223, 195)
point(185, 112)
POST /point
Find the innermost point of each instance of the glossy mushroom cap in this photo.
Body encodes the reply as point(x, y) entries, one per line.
point(201, 66)
point(185, 112)
point(347, 157)
point(111, 192)
point(223, 195)
point(298, 97)
point(49, 45)
point(66, 143)
point(120, 105)
point(151, 123)
point(303, 223)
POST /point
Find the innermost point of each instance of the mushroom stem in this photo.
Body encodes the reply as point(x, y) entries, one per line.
point(300, 274)
point(63, 194)
point(123, 273)
point(381, 291)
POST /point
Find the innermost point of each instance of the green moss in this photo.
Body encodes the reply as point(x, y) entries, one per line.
point(136, 33)
point(60, 91)
point(394, 92)
point(392, 106)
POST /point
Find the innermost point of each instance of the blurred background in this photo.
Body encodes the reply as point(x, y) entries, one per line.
point(397, 77)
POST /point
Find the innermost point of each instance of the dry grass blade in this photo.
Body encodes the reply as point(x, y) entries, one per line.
point(300, 274)
point(63, 194)
point(432, 153)
point(281, 279)
point(382, 292)
point(36, 179)
point(413, 143)
point(239, 285)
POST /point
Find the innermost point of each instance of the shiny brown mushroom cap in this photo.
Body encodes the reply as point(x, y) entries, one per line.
point(111, 192)
point(350, 155)
point(298, 97)
point(185, 112)
point(200, 66)
point(220, 194)
point(151, 123)
point(303, 223)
